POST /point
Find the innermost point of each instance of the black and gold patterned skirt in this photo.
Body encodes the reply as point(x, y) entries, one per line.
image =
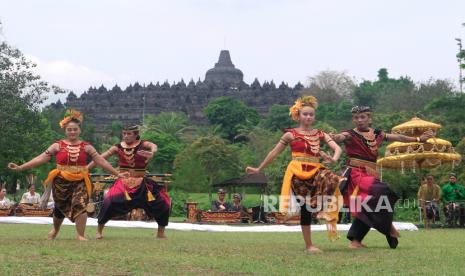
point(324, 183)
point(70, 198)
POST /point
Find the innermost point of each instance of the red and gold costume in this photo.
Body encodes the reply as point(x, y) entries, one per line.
point(71, 184)
point(307, 177)
point(363, 182)
point(136, 191)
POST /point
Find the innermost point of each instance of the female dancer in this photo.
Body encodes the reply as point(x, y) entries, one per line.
point(70, 181)
point(305, 176)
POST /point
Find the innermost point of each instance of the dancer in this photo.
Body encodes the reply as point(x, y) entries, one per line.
point(363, 185)
point(136, 191)
point(306, 179)
point(70, 181)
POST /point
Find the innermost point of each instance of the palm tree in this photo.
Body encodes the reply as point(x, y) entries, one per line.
point(171, 123)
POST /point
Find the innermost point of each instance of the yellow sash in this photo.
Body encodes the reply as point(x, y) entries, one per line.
point(295, 169)
point(71, 176)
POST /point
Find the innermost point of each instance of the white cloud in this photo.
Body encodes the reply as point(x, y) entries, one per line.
point(75, 77)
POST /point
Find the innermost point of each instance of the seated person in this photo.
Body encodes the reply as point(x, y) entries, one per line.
point(5, 203)
point(429, 195)
point(236, 206)
point(452, 195)
point(220, 205)
point(31, 197)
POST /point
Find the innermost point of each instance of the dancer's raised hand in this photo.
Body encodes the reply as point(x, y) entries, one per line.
point(14, 167)
point(426, 135)
point(123, 175)
point(327, 159)
point(251, 170)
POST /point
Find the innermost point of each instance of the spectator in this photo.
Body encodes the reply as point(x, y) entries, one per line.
point(452, 192)
point(237, 206)
point(220, 204)
point(31, 197)
point(5, 203)
point(429, 195)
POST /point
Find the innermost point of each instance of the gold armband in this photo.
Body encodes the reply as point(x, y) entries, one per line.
point(282, 141)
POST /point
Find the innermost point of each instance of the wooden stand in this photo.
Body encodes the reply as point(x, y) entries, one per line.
point(192, 211)
point(279, 218)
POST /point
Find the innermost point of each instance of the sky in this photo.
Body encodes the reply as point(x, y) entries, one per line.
point(78, 44)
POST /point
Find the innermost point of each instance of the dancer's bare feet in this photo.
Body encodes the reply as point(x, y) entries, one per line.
point(356, 245)
point(313, 249)
point(394, 233)
point(52, 235)
point(81, 238)
point(99, 234)
point(161, 233)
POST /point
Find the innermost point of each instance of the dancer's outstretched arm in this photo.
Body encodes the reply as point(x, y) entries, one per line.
point(402, 138)
point(148, 154)
point(112, 150)
point(100, 161)
point(340, 137)
point(36, 161)
point(280, 146)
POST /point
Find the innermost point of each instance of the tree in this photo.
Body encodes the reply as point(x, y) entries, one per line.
point(171, 123)
point(386, 94)
point(25, 133)
point(278, 118)
point(116, 128)
point(210, 154)
point(230, 114)
point(448, 111)
point(335, 114)
point(168, 148)
point(330, 86)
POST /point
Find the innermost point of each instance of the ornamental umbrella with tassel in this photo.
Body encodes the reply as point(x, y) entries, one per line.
point(414, 155)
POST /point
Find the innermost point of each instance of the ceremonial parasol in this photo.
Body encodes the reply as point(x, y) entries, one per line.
point(435, 152)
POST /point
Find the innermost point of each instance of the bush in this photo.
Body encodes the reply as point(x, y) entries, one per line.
point(178, 199)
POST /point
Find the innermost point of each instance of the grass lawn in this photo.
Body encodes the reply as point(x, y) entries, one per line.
point(25, 251)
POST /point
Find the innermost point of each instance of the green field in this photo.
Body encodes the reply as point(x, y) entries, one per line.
point(24, 251)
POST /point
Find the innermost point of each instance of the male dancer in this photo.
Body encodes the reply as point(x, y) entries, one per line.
point(363, 185)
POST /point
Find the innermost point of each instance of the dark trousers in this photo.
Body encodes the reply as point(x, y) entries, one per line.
point(358, 230)
point(305, 216)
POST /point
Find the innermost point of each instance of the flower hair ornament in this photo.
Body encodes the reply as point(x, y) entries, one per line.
point(71, 114)
point(300, 103)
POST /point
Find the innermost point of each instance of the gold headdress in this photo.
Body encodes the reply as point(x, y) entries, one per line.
point(301, 102)
point(360, 109)
point(69, 115)
point(131, 128)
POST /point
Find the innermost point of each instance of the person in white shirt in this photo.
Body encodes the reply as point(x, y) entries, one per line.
point(5, 203)
point(31, 197)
